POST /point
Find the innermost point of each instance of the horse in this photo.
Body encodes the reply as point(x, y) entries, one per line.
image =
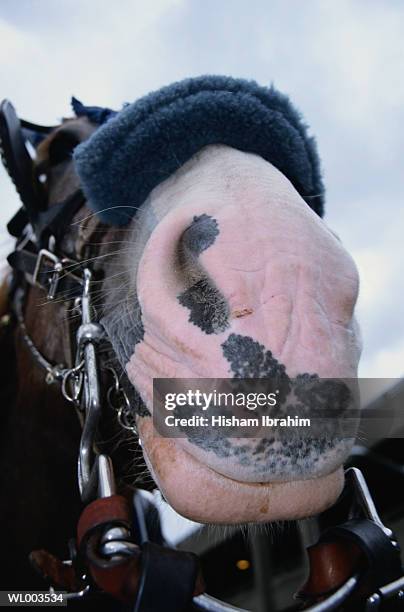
point(220, 268)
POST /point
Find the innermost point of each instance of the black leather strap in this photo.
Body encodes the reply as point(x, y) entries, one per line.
point(167, 579)
point(18, 162)
point(45, 222)
point(35, 133)
point(383, 556)
point(55, 220)
point(50, 222)
point(69, 281)
point(17, 223)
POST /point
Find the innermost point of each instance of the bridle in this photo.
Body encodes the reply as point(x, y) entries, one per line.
point(112, 552)
point(105, 529)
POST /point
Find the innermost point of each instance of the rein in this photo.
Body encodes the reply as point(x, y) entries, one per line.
point(112, 552)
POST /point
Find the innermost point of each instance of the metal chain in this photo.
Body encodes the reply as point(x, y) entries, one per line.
point(119, 402)
point(54, 372)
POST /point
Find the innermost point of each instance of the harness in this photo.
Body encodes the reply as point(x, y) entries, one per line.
point(355, 563)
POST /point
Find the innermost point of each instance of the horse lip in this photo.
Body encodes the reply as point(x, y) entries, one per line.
point(260, 484)
point(193, 489)
point(326, 472)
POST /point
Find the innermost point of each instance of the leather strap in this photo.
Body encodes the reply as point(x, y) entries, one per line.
point(55, 220)
point(157, 578)
point(357, 546)
point(54, 571)
point(102, 512)
point(18, 162)
point(35, 133)
point(50, 222)
point(25, 261)
point(331, 564)
point(168, 579)
point(119, 578)
point(383, 563)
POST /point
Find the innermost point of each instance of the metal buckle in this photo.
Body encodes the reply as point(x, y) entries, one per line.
point(44, 254)
point(55, 274)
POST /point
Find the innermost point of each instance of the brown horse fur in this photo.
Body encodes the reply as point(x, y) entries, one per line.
point(40, 432)
point(39, 501)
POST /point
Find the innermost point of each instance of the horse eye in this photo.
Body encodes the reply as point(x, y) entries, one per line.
point(61, 148)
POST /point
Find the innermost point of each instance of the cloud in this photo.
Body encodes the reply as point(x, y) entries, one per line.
point(341, 63)
point(101, 51)
point(386, 362)
point(380, 310)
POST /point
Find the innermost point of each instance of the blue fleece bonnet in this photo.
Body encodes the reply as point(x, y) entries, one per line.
point(138, 147)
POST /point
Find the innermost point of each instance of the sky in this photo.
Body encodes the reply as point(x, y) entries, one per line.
point(342, 64)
